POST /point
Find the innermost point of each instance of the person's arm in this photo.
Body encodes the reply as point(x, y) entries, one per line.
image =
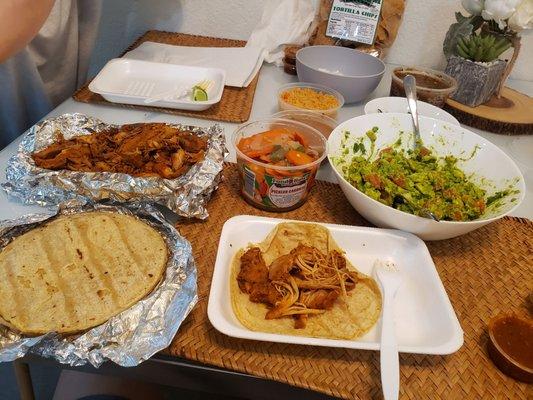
point(21, 21)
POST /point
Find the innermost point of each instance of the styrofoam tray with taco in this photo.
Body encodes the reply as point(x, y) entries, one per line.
point(308, 283)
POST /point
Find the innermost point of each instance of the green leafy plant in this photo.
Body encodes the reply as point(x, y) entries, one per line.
point(463, 27)
point(486, 26)
point(483, 48)
point(489, 28)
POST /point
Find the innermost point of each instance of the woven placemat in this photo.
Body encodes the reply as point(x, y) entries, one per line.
point(235, 105)
point(485, 272)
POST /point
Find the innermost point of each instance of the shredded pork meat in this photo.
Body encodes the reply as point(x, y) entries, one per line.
point(298, 284)
point(253, 278)
point(154, 149)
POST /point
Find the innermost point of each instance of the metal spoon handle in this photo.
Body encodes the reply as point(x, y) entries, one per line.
point(409, 84)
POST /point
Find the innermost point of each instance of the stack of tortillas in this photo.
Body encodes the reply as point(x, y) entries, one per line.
point(77, 271)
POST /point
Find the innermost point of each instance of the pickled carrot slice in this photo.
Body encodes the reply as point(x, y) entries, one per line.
point(261, 145)
point(298, 158)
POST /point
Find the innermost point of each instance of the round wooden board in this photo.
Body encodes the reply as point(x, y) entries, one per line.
point(510, 115)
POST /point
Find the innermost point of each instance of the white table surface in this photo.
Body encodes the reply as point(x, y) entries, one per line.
point(519, 148)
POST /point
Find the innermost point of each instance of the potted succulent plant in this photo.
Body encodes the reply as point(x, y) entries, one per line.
point(475, 42)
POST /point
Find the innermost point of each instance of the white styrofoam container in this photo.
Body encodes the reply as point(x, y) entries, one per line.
point(130, 81)
point(425, 320)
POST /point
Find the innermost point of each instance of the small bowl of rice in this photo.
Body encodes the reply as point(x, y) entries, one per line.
point(310, 97)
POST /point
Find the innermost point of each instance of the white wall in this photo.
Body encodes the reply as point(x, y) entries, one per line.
point(125, 20)
point(419, 41)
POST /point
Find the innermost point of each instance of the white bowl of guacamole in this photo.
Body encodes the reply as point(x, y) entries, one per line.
point(458, 176)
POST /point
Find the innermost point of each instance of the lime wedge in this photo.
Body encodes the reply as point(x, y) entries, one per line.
point(199, 94)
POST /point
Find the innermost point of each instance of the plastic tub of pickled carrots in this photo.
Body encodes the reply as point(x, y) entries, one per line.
point(278, 160)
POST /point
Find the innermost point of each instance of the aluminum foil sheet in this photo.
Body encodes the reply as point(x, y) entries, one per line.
point(131, 336)
point(187, 195)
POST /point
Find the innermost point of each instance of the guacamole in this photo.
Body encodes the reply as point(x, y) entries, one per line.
point(414, 181)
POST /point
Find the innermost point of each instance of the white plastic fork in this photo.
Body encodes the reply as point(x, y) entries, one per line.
point(205, 84)
point(175, 92)
point(390, 280)
point(178, 92)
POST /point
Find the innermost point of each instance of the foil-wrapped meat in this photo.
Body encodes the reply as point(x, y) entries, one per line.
point(154, 149)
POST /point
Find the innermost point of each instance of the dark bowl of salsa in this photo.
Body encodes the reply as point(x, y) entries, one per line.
point(510, 345)
point(432, 86)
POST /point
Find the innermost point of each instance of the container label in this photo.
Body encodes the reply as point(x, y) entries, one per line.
point(275, 191)
point(355, 20)
point(288, 191)
point(249, 183)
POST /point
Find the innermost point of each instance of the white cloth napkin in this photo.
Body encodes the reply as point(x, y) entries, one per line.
point(283, 22)
point(240, 63)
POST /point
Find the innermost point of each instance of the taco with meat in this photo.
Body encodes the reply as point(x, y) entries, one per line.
point(299, 282)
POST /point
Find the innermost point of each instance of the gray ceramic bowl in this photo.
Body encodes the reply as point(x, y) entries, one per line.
point(353, 73)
